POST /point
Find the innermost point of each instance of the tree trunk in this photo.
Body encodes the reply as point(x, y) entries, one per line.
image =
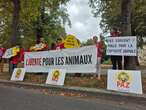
point(15, 22)
point(126, 5)
point(15, 27)
point(40, 29)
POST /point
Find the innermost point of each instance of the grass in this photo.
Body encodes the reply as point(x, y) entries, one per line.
point(88, 81)
point(85, 81)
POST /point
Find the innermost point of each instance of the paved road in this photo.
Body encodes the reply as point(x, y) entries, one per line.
point(12, 98)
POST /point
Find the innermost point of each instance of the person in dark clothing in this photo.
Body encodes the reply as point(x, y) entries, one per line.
point(53, 46)
point(116, 60)
point(59, 44)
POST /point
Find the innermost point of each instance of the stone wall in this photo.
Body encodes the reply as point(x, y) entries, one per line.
point(142, 55)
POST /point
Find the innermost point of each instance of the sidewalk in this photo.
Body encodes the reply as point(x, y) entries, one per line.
point(69, 86)
point(82, 90)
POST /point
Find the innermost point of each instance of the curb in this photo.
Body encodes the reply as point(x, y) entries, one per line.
point(99, 93)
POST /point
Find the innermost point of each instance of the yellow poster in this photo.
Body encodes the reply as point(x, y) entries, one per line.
point(56, 77)
point(11, 52)
point(71, 42)
point(15, 51)
point(18, 74)
point(125, 81)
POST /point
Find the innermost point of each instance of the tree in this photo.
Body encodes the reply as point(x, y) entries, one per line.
point(110, 11)
point(15, 21)
point(126, 9)
point(128, 15)
point(54, 17)
point(51, 23)
point(88, 42)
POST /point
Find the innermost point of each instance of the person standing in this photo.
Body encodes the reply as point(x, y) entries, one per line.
point(59, 44)
point(2, 51)
point(116, 60)
point(14, 60)
point(53, 46)
point(43, 44)
point(99, 46)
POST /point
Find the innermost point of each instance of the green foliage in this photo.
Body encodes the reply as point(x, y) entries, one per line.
point(88, 42)
point(105, 58)
point(110, 12)
point(54, 18)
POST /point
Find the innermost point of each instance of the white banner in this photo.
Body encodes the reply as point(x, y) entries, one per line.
point(8, 53)
point(123, 46)
point(56, 77)
point(18, 74)
point(76, 60)
point(125, 81)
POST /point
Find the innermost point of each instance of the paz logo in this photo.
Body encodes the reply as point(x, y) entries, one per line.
point(55, 75)
point(71, 42)
point(123, 79)
point(18, 73)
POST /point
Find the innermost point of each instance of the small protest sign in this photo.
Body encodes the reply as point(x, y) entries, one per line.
point(56, 77)
point(125, 81)
point(18, 74)
point(71, 42)
point(123, 46)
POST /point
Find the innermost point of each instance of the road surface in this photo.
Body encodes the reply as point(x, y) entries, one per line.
point(12, 98)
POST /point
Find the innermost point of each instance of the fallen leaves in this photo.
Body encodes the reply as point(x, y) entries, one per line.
point(72, 94)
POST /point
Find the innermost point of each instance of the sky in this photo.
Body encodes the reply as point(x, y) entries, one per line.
point(84, 25)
